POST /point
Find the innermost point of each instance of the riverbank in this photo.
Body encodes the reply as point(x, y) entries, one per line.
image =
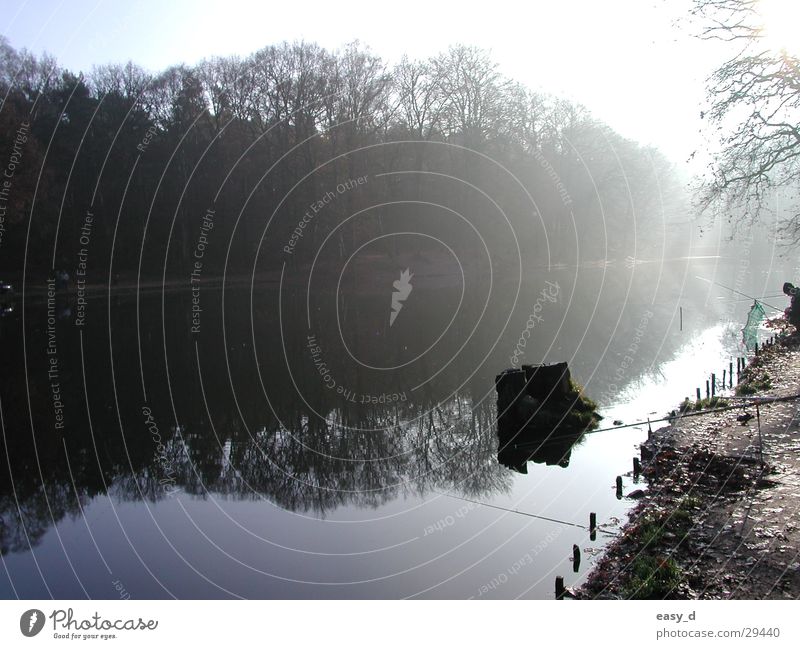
point(719, 517)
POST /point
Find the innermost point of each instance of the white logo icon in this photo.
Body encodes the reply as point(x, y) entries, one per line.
point(402, 289)
point(31, 622)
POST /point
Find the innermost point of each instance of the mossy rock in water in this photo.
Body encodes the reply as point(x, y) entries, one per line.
point(544, 398)
point(543, 430)
point(569, 412)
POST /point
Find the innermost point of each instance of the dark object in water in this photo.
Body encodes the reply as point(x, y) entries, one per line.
point(618, 422)
point(541, 414)
point(744, 418)
point(527, 389)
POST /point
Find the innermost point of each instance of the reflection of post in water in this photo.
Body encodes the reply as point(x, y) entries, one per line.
point(542, 414)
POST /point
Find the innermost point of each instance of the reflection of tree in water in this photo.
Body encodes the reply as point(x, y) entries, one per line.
point(325, 464)
point(319, 466)
point(268, 442)
point(24, 520)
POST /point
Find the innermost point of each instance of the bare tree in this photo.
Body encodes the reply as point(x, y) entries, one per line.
point(128, 81)
point(211, 73)
point(474, 92)
point(754, 103)
point(359, 87)
point(419, 97)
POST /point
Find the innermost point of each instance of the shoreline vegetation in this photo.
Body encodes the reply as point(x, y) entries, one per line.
point(717, 519)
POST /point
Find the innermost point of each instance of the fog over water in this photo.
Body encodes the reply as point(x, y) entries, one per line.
point(256, 306)
point(281, 456)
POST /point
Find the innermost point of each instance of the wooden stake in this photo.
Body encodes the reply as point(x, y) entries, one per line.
point(560, 587)
point(760, 439)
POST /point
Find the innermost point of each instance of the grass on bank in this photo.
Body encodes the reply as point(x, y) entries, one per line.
point(702, 404)
point(758, 383)
point(653, 575)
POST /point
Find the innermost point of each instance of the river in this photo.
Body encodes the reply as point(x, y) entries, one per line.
point(288, 441)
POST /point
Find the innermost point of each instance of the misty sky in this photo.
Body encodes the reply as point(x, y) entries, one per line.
point(633, 63)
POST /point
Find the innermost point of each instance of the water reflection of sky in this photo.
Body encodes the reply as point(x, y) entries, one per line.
point(268, 502)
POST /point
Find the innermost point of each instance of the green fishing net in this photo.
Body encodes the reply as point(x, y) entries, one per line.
point(750, 331)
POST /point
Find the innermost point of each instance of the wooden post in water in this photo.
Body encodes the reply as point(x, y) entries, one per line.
point(576, 558)
point(560, 587)
point(730, 373)
point(713, 384)
point(619, 487)
point(723, 379)
point(698, 394)
point(592, 526)
point(708, 391)
point(756, 348)
point(637, 467)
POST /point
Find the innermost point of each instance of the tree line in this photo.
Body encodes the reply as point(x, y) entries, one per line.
point(259, 139)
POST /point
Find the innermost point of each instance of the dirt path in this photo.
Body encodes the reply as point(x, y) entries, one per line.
point(716, 522)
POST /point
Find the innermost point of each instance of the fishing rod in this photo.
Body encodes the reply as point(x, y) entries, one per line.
point(599, 528)
point(734, 299)
point(744, 402)
point(728, 288)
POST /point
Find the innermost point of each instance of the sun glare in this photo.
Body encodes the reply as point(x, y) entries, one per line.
point(780, 25)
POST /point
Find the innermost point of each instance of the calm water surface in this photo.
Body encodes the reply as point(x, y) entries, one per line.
point(257, 442)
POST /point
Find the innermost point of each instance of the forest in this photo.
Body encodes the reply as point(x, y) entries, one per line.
point(120, 168)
